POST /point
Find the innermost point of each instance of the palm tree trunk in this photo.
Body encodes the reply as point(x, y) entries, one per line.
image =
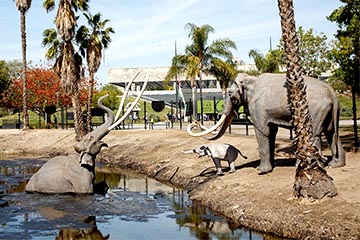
point(23, 46)
point(78, 119)
point(355, 89)
point(89, 102)
point(201, 100)
point(311, 179)
point(193, 96)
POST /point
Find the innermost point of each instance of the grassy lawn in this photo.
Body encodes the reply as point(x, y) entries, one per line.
point(346, 107)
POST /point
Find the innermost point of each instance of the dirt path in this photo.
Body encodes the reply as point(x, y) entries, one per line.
point(260, 202)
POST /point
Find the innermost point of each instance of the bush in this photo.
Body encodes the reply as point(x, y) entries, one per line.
point(3, 112)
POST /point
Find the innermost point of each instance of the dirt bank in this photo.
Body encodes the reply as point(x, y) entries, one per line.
point(260, 202)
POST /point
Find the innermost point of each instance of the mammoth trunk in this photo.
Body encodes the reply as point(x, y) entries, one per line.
point(102, 130)
point(230, 111)
point(91, 144)
point(225, 125)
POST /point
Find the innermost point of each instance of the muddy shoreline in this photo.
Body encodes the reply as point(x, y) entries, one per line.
point(260, 202)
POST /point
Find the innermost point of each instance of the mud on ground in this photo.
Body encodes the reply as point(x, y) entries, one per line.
point(259, 202)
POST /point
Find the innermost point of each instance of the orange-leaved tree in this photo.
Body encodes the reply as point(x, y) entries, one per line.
point(43, 89)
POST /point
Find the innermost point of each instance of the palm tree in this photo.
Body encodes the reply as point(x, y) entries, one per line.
point(23, 6)
point(206, 53)
point(92, 42)
point(68, 63)
point(200, 57)
point(259, 59)
point(224, 72)
point(311, 179)
point(270, 63)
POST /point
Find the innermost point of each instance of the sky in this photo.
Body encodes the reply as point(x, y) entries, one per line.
point(146, 30)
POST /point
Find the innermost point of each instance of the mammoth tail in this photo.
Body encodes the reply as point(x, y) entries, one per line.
point(245, 157)
point(336, 116)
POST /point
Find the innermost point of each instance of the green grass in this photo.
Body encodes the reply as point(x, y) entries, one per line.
point(346, 107)
point(33, 119)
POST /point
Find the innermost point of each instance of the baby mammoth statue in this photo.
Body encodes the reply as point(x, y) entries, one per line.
point(219, 152)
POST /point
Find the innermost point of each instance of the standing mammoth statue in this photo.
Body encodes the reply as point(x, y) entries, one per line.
point(267, 99)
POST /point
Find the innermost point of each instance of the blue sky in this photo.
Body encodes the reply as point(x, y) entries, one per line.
point(146, 30)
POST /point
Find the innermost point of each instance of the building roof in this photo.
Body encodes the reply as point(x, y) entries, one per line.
point(120, 76)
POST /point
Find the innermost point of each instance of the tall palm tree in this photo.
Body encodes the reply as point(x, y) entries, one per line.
point(311, 179)
point(23, 6)
point(200, 57)
point(68, 62)
point(92, 43)
point(205, 53)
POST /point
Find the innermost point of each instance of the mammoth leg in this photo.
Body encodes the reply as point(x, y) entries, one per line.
point(217, 165)
point(232, 167)
point(264, 152)
point(337, 150)
point(272, 139)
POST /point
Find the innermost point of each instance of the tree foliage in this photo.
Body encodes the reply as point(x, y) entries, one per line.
point(224, 71)
point(44, 89)
point(270, 63)
point(346, 49)
point(313, 50)
point(92, 42)
point(113, 100)
point(214, 58)
point(4, 76)
point(342, 53)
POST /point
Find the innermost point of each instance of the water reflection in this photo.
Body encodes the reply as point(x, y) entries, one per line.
point(189, 216)
point(135, 207)
point(14, 174)
point(82, 233)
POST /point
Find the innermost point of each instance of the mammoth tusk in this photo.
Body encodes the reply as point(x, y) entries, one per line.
point(204, 128)
point(207, 130)
point(133, 104)
point(121, 105)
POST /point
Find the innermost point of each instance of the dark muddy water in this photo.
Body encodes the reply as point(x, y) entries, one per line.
point(135, 207)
